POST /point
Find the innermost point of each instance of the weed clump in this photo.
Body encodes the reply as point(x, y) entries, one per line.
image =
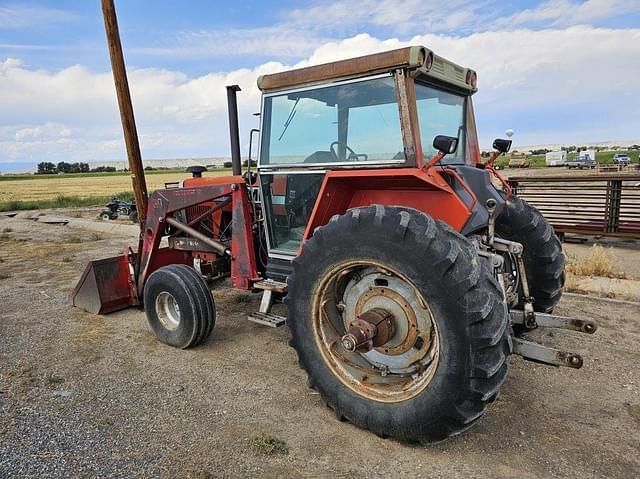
point(599, 262)
point(268, 444)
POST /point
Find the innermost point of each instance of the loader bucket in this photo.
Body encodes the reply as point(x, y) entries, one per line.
point(104, 286)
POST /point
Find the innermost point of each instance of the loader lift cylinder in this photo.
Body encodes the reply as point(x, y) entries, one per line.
point(234, 132)
point(126, 110)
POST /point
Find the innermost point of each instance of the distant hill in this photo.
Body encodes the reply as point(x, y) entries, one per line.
point(166, 163)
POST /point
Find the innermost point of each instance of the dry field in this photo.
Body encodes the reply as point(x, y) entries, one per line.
point(83, 186)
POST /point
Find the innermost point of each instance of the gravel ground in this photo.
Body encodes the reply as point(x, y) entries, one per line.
point(98, 396)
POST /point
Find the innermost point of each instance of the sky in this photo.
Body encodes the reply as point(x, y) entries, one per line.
point(555, 71)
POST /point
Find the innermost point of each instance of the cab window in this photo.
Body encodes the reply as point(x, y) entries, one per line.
point(356, 122)
point(441, 113)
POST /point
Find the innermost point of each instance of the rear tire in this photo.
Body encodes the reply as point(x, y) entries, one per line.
point(542, 253)
point(460, 294)
point(179, 306)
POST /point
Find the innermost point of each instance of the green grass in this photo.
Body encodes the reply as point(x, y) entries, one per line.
point(63, 201)
point(267, 444)
point(602, 157)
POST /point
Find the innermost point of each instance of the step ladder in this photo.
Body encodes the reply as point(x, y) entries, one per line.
point(264, 315)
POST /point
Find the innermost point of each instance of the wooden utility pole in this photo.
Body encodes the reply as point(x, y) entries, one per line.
point(126, 109)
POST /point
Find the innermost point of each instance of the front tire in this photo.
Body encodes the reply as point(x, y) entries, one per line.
point(402, 260)
point(179, 306)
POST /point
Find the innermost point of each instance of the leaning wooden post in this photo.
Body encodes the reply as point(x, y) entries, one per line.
point(126, 110)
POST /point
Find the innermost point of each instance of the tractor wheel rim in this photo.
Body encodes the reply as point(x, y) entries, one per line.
point(401, 368)
point(168, 310)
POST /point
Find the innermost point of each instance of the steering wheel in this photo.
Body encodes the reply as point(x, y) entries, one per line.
point(352, 154)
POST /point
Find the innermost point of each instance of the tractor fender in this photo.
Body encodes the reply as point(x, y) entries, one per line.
point(424, 190)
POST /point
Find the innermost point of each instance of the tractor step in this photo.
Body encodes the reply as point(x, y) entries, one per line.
point(267, 319)
point(271, 285)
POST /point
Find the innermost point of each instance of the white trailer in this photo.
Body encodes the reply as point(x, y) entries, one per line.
point(556, 158)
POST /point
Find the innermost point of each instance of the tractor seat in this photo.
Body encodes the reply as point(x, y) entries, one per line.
point(196, 171)
point(320, 157)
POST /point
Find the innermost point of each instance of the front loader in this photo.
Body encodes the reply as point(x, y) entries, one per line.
point(408, 268)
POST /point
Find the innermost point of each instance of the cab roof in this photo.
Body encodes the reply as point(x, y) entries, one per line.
point(417, 59)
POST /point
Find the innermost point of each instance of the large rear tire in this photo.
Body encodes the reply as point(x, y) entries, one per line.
point(451, 321)
point(179, 306)
point(542, 253)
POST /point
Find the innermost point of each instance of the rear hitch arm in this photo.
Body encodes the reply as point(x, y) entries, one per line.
point(553, 321)
point(544, 354)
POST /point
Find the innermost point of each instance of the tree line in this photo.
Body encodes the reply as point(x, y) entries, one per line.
point(48, 168)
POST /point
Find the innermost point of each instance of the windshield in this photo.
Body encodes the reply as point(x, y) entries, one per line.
point(441, 113)
point(347, 123)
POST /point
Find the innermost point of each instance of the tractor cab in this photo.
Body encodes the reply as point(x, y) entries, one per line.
point(376, 112)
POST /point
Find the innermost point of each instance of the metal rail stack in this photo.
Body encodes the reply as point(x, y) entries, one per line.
point(603, 205)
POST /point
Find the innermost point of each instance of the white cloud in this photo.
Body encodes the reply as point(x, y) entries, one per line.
point(71, 114)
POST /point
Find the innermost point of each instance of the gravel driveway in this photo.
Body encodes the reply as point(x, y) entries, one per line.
point(98, 396)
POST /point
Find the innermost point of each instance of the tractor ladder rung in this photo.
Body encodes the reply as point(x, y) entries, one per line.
point(271, 285)
point(267, 319)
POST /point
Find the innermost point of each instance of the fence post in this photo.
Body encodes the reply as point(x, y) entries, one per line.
point(612, 206)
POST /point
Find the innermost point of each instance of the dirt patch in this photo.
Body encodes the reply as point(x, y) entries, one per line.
point(96, 396)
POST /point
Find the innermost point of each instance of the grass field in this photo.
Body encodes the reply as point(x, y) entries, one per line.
point(602, 157)
point(50, 191)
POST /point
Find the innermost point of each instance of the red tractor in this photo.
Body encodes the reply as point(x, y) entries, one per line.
point(406, 273)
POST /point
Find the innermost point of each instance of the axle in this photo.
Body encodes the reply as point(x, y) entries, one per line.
point(370, 330)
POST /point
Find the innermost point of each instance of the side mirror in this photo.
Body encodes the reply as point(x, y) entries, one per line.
point(445, 144)
point(502, 145)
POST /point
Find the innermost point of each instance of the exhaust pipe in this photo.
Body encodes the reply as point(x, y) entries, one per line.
point(234, 132)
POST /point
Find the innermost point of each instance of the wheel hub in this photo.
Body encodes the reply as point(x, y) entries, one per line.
point(405, 351)
point(376, 331)
point(371, 329)
point(168, 310)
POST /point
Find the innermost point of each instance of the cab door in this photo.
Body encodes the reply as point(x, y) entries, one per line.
point(288, 199)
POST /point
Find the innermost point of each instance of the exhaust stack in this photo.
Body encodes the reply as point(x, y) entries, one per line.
point(234, 132)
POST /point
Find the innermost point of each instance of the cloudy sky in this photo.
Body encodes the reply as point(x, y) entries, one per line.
point(556, 71)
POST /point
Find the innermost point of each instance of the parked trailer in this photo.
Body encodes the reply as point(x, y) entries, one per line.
point(556, 158)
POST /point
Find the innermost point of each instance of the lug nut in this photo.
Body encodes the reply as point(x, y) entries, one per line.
point(349, 342)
